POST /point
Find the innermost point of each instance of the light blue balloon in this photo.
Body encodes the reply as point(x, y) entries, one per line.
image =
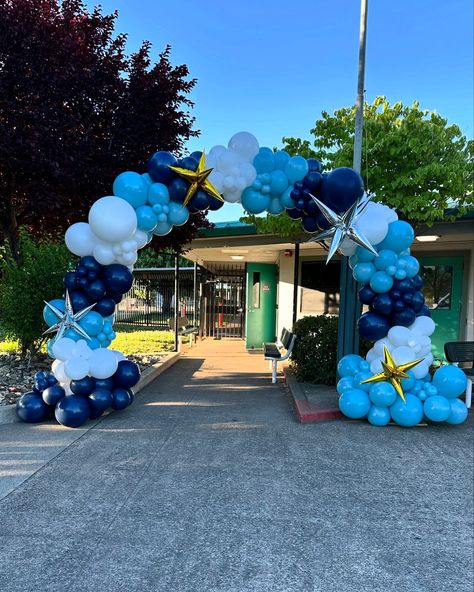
point(450, 381)
point(408, 383)
point(364, 366)
point(354, 403)
point(363, 255)
point(162, 218)
point(163, 228)
point(285, 198)
point(353, 260)
point(177, 214)
point(411, 267)
point(146, 218)
point(278, 182)
point(49, 317)
point(92, 323)
point(74, 335)
point(266, 189)
point(381, 282)
point(49, 349)
point(346, 383)
point(391, 270)
point(264, 162)
point(281, 159)
point(146, 177)
point(265, 178)
point(378, 416)
point(400, 274)
point(458, 411)
point(131, 187)
point(349, 365)
point(254, 201)
point(158, 194)
point(382, 394)
point(93, 343)
point(407, 414)
point(296, 169)
point(400, 235)
point(437, 408)
point(385, 259)
point(275, 207)
point(362, 272)
point(359, 377)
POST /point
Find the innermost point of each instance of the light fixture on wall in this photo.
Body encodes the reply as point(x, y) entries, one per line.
point(237, 257)
point(427, 238)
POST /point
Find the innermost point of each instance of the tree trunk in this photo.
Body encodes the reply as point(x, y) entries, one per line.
point(10, 228)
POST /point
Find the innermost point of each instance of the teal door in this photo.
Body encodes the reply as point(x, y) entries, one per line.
point(443, 279)
point(260, 320)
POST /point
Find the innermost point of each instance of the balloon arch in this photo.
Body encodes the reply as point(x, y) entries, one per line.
point(392, 383)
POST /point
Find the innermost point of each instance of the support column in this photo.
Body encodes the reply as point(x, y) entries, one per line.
point(176, 301)
point(296, 279)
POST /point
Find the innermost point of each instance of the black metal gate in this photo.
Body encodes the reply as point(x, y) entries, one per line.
point(223, 302)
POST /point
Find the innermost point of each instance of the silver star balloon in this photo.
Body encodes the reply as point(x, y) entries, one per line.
point(68, 319)
point(342, 226)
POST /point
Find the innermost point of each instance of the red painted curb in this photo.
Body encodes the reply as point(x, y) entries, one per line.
point(308, 413)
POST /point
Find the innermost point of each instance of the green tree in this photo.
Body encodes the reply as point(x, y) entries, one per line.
point(412, 159)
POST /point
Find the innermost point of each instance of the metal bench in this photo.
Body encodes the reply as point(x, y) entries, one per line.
point(274, 351)
point(462, 351)
point(183, 329)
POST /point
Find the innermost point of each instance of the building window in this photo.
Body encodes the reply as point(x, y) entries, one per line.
point(438, 286)
point(320, 287)
point(256, 290)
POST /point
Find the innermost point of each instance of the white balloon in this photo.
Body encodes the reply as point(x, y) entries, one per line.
point(63, 348)
point(371, 355)
point(128, 258)
point(399, 335)
point(103, 253)
point(378, 346)
point(82, 349)
point(403, 354)
point(347, 247)
point(372, 223)
point(80, 239)
point(420, 370)
point(140, 238)
point(76, 368)
point(102, 363)
point(390, 214)
point(376, 366)
point(245, 144)
point(112, 219)
point(67, 387)
point(423, 325)
point(429, 359)
point(57, 369)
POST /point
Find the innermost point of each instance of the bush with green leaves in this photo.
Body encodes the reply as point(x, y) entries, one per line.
point(314, 354)
point(37, 275)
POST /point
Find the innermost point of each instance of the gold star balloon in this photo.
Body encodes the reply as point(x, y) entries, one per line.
point(198, 180)
point(392, 373)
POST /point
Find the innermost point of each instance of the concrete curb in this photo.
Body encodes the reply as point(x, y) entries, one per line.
point(305, 411)
point(8, 412)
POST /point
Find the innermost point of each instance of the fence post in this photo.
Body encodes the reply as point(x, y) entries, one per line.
point(176, 301)
point(195, 321)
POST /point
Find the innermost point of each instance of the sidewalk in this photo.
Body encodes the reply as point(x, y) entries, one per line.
point(207, 483)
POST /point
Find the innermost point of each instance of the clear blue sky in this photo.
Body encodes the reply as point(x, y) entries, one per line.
point(271, 67)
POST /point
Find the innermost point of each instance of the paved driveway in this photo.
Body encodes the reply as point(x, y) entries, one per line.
point(207, 483)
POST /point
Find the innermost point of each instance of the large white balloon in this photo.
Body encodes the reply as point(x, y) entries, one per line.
point(399, 335)
point(403, 354)
point(57, 369)
point(112, 219)
point(103, 253)
point(63, 348)
point(76, 368)
point(423, 325)
point(245, 144)
point(102, 363)
point(80, 239)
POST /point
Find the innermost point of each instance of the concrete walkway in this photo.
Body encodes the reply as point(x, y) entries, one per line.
point(208, 483)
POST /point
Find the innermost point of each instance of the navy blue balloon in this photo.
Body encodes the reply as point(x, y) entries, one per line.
point(121, 399)
point(83, 387)
point(311, 209)
point(196, 155)
point(399, 305)
point(70, 281)
point(177, 189)
point(294, 213)
point(323, 224)
point(417, 301)
point(53, 394)
point(91, 264)
point(366, 295)
point(424, 312)
point(81, 271)
point(310, 223)
point(158, 166)
point(72, 411)
point(105, 306)
point(79, 300)
point(341, 188)
point(126, 375)
point(104, 383)
point(298, 185)
point(189, 163)
point(96, 290)
point(408, 297)
point(295, 194)
point(215, 204)
point(382, 304)
point(314, 165)
point(405, 318)
point(300, 203)
point(82, 282)
point(92, 275)
point(118, 278)
point(405, 285)
point(395, 294)
point(200, 200)
point(99, 401)
point(31, 408)
point(306, 194)
point(116, 296)
point(417, 282)
point(313, 181)
point(51, 379)
point(373, 326)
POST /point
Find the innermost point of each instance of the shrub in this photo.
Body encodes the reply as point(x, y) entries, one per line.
point(24, 284)
point(314, 354)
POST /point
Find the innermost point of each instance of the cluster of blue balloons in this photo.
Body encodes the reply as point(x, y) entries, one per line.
point(431, 399)
point(90, 399)
point(339, 190)
point(391, 284)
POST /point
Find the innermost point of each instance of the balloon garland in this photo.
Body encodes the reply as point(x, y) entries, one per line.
point(391, 384)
